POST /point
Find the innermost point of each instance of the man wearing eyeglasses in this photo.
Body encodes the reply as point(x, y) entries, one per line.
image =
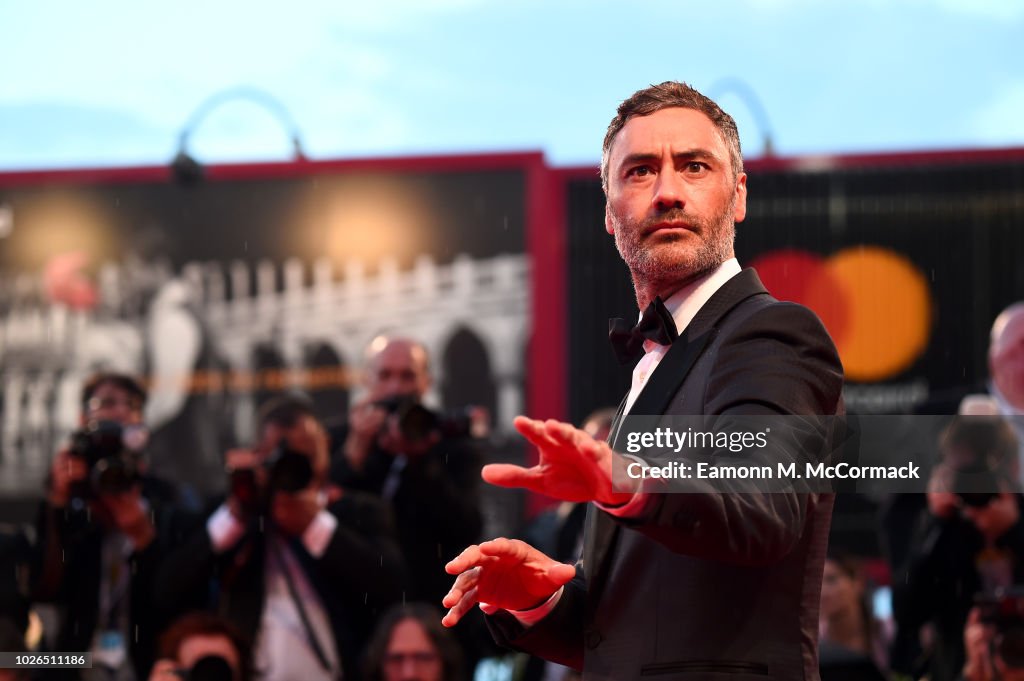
point(102, 530)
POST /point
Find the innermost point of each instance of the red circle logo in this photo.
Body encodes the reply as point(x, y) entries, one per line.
point(874, 302)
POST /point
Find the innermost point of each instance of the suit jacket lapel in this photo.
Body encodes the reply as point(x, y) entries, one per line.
point(602, 531)
point(670, 374)
point(613, 431)
point(684, 353)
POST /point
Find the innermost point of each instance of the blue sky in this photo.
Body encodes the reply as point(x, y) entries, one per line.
point(112, 82)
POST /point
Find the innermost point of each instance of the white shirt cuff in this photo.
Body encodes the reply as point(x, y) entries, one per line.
point(319, 533)
point(529, 617)
point(635, 506)
point(224, 529)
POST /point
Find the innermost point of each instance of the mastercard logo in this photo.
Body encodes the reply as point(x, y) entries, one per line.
point(874, 302)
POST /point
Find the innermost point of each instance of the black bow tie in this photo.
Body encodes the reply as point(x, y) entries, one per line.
point(656, 325)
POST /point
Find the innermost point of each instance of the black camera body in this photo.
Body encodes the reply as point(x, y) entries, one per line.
point(113, 455)
point(417, 423)
point(976, 484)
point(208, 668)
point(286, 471)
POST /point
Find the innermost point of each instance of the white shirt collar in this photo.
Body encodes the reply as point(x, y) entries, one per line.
point(1005, 408)
point(687, 301)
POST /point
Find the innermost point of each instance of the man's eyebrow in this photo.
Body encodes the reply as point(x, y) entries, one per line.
point(697, 153)
point(634, 159)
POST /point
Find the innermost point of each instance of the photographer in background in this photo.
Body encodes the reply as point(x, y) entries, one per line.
point(424, 464)
point(969, 541)
point(15, 561)
point(201, 646)
point(410, 644)
point(301, 567)
point(994, 639)
point(98, 542)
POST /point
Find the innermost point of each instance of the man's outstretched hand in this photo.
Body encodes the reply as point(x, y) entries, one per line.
point(573, 466)
point(506, 574)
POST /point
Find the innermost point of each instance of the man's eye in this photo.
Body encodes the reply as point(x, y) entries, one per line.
point(639, 171)
point(695, 167)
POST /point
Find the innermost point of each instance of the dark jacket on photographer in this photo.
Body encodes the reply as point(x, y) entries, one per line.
point(435, 498)
point(948, 566)
point(100, 583)
point(355, 571)
point(15, 559)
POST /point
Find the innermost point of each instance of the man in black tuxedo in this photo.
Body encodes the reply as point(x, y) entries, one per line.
point(700, 586)
point(300, 566)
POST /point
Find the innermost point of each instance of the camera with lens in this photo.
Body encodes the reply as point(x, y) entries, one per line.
point(417, 423)
point(976, 484)
point(208, 668)
point(113, 454)
point(980, 451)
point(1004, 610)
point(286, 470)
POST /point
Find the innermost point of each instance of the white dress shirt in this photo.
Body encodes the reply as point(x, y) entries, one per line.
point(683, 305)
point(283, 651)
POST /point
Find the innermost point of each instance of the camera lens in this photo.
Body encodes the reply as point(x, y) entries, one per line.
point(113, 475)
point(211, 668)
point(289, 471)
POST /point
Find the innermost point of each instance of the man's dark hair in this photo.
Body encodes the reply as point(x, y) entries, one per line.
point(286, 411)
point(853, 567)
point(665, 96)
point(124, 382)
point(430, 619)
point(207, 624)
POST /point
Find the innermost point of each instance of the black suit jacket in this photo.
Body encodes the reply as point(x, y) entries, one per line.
point(359, 574)
point(708, 586)
point(436, 505)
point(15, 562)
point(66, 571)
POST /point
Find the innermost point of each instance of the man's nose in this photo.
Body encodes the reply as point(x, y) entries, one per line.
point(409, 670)
point(669, 191)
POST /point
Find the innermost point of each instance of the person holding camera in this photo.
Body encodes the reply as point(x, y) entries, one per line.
point(102, 531)
point(969, 541)
point(201, 646)
point(994, 641)
point(424, 464)
point(299, 565)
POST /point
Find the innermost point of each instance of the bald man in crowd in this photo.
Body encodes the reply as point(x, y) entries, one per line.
point(1006, 369)
point(430, 479)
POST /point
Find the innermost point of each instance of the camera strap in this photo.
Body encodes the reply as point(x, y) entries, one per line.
point(314, 642)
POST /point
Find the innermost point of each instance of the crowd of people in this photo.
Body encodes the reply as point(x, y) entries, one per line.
point(324, 559)
point(334, 548)
point(326, 556)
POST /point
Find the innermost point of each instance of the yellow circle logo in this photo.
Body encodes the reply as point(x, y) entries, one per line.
point(874, 302)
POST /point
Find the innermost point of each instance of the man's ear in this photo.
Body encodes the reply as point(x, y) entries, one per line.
point(740, 211)
point(608, 220)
